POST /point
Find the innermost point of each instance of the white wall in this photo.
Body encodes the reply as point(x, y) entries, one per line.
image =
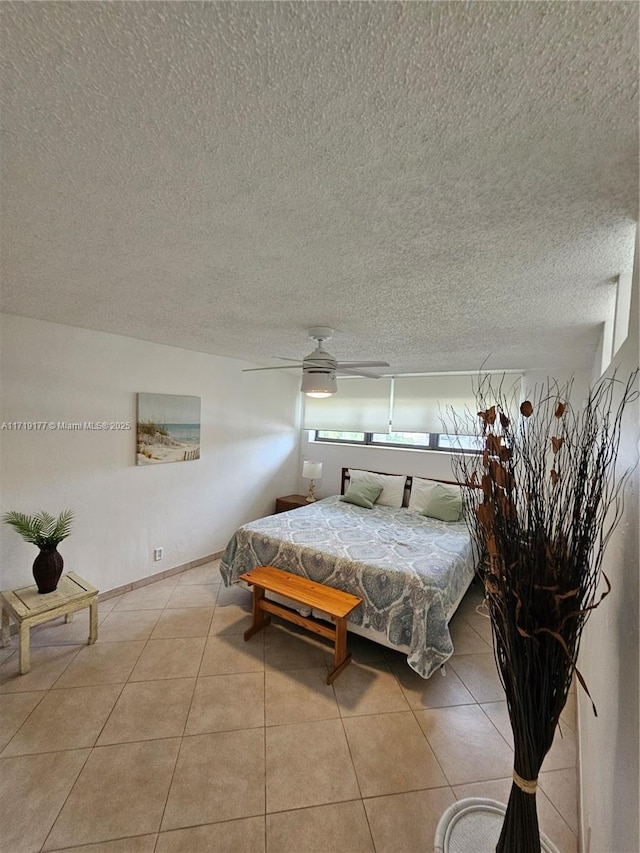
point(609, 659)
point(421, 463)
point(537, 380)
point(249, 450)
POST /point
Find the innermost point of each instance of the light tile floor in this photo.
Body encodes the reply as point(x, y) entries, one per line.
point(173, 734)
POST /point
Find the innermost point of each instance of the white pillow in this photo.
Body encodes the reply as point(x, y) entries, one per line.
point(422, 492)
point(392, 485)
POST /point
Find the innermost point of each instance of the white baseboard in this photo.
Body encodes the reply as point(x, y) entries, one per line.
point(158, 576)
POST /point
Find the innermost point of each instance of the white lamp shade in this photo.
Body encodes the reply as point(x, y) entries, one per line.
point(312, 470)
point(319, 384)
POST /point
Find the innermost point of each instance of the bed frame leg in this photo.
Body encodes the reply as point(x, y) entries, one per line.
point(260, 621)
point(340, 657)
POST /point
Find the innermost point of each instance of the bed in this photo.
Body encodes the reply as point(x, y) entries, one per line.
point(410, 570)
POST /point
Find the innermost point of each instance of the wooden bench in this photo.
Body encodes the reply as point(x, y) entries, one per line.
point(334, 602)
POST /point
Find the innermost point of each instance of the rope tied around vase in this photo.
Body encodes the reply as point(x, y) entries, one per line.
point(529, 786)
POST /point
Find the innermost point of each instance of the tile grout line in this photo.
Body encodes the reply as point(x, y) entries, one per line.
point(493, 724)
point(448, 786)
point(175, 764)
point(353, 766)
point(424, 734)
point(90, 749)
point(264, 740)
point(42, 698)
point(64, 803)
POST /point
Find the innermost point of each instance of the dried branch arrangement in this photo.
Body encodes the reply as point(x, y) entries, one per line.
point(543, 502)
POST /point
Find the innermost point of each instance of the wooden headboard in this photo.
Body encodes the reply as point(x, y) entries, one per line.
point(407, 486)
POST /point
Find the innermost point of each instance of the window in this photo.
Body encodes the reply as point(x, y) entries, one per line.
point(459, 442)
point(400, 439)
point(423, 412)
point(334, 435)
point(416, 440)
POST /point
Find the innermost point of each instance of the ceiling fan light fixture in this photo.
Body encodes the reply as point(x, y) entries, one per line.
point(319, 368)
point(318, 384)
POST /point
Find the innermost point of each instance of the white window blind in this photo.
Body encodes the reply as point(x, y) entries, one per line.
point(361, 405)
point(424, 403)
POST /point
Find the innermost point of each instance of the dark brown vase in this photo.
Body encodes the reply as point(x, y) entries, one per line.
point(47, 568)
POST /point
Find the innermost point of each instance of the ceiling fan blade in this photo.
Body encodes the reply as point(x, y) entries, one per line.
point(350, 372)
point(363, 364)
point(275, 367)
point(282, 358)
point(319, 365)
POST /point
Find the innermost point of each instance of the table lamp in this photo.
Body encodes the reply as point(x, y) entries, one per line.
point(311, 471)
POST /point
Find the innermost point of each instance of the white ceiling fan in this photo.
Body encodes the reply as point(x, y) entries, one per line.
point(319, 368)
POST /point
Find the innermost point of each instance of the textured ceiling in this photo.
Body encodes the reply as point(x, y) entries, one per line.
point(440, 182)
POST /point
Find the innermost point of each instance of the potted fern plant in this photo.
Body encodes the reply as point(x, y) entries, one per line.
point(45, 531)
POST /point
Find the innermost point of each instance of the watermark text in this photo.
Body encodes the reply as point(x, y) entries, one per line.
point(62, 426)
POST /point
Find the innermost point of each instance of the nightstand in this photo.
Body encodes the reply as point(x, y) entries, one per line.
point(290, 502)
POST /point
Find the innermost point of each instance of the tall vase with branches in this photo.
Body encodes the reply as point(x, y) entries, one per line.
point(542, 503)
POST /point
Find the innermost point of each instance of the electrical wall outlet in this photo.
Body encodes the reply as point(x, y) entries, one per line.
point(158, 553)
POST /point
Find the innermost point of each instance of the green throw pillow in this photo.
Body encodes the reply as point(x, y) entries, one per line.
point(444, 503)
point(362, 494)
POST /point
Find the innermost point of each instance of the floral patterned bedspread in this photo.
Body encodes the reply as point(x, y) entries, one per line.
point(410, 571)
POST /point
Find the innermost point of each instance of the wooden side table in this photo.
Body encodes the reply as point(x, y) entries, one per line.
point(28, 607)
point(290, 502)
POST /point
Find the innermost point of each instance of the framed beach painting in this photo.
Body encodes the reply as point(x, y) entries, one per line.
point(168, 428)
